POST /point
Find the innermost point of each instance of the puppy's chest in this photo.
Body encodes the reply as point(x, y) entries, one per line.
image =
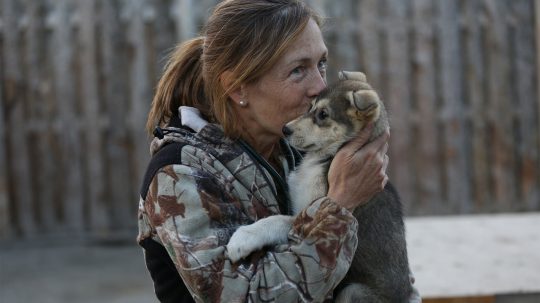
point(308, 183)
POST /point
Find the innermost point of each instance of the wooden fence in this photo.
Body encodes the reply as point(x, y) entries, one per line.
point(460, 79)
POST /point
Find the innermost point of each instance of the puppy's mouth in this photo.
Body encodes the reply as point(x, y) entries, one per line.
point(300, 143)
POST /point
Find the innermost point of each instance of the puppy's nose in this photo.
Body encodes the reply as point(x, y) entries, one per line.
point(286, 131)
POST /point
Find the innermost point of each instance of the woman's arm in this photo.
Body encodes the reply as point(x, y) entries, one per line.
point(194, 215)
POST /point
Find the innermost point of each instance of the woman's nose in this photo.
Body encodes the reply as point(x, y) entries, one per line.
point(317, 85)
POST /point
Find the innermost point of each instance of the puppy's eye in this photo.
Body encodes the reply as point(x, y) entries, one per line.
point(322, 114)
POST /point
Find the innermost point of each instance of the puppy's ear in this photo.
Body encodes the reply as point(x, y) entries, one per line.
point(357, 76)
point(363, 100)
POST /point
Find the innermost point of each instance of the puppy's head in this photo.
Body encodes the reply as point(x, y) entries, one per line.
point(336, 116)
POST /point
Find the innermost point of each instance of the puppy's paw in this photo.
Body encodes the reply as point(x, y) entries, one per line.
point(243, 242)
point(249, 238)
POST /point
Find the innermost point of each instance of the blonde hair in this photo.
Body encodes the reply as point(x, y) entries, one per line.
point(243, 37)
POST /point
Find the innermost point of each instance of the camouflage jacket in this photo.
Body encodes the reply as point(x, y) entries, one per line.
point(193, 208)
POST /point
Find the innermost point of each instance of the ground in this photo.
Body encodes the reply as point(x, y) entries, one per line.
point(453, 256)
point(82, 274)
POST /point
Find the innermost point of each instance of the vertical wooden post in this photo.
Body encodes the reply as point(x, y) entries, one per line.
point(452, 111)
point(185, 23)
point(14, 92)
point(397, 98)
point(120, 187)
point(92, 120)
point(5, 231)
point(369, 35)
point(68, 122)
point(475, 22)
point(140, 91)
point(344, 31)
point(524, 56)
point(428, 168)
point(500, 125)
point(43, 161)
point(537, 38)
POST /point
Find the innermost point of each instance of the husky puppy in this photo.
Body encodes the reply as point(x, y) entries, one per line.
point(380, 270)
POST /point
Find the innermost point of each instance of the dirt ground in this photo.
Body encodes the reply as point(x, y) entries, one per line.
point(450, 257)
point(82, 274)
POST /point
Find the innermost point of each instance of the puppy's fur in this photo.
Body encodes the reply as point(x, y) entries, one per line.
point(379, 271)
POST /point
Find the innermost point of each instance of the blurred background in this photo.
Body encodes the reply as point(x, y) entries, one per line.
point(460, 79)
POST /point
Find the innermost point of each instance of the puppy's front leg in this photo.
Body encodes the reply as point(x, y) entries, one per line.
point(246, 239)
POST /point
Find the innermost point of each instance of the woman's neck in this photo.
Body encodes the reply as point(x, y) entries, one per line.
point(260, 138)
point(264, 145)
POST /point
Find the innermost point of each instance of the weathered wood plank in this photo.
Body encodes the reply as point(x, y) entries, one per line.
point(424, 97)
point(39, 90)
point(397, 98)
point(68, 120)
point(91, 106)
point(185, 22)
point(475, 41)
point(343, 31)
point(369, 44)
point(18, 166)
point(121, 186)
point(163, 43)
point(457, 178)
point(523, 77)
point(536, 205)
point(140, 91)
point(500, 125)
point(5, 226)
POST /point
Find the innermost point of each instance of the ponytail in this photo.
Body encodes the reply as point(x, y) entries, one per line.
point(181, 84)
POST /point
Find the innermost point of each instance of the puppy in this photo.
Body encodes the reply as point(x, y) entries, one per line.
point(380, 270)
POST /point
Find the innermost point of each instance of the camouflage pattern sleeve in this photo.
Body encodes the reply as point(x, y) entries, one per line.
point(193, 213)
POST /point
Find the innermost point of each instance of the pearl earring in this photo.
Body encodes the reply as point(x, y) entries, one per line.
point(243, 103)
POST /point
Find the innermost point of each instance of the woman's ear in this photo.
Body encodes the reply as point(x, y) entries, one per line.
point(227, 81)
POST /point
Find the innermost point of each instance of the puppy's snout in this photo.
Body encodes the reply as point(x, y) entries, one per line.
point(287, 131)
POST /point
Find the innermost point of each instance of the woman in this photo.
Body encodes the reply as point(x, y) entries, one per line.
point(219, 162)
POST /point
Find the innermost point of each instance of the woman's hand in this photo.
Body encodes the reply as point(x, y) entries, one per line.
point(358, 171)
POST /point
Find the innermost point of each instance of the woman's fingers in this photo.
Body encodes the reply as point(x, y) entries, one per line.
point(359, 141)
point(382, 141)
point(359, 170)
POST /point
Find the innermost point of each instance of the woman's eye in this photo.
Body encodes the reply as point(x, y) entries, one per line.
point(322, 64)
point(297, 70)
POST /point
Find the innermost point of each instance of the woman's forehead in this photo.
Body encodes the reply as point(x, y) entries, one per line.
point(308, 46)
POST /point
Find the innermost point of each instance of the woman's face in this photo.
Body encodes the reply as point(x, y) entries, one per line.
point(286, 91)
